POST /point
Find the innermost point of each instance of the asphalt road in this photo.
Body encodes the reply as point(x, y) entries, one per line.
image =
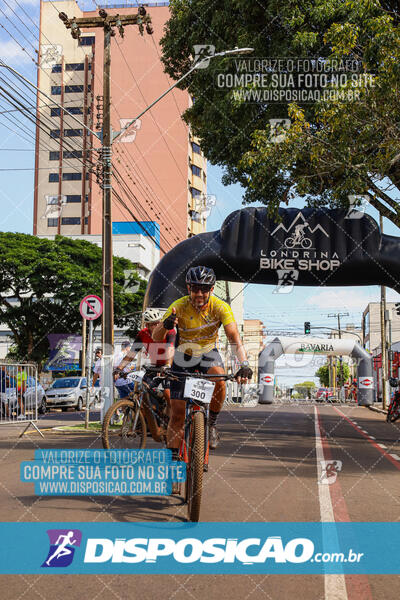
point(265, 469)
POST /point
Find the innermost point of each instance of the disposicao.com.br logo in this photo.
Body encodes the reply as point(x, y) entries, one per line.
point(247, 551)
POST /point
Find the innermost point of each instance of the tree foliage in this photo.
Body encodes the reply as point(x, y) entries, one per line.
point(42, 282)
point(335, 148)
point(323, 373)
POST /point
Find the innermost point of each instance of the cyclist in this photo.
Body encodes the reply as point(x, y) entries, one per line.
point(199, 316)
point(160, 354)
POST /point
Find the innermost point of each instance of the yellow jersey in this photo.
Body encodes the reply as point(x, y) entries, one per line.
point(198, 329)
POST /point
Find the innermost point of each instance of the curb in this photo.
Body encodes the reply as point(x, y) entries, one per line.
point(379, 410)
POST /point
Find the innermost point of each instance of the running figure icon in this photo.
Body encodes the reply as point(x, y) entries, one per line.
point(62, 549)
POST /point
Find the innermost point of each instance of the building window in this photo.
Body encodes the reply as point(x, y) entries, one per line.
point(55, 112)
point(86, 220)
point(72, 154)
point(86, 40)
point(70, 89)
point(196, 148)
point(195, 192)
point(195, 216)
point(73, 198)
point(76, 110)
point(72, 176)
point(87, 198)
point(52, 222)
point(73, 132)
point(55, 133)
point(54, 177)
point(53, 155)
point(56, 90)
point(56, 69)
point(71, 221)
point(75, 67)
point(196, 170)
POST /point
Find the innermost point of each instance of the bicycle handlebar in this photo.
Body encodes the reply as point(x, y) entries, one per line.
point(168, 374)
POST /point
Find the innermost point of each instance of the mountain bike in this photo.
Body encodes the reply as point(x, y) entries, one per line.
point(194, 448)
point(128, 421)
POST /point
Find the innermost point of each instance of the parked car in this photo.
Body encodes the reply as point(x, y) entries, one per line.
point(69, 392)
point(34, 395)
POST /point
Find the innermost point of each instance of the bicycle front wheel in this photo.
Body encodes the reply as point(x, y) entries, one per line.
point(194, 476)
point(118, 429)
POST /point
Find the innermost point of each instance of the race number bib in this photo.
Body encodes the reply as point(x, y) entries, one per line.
point(136, 376)
point(199, 389)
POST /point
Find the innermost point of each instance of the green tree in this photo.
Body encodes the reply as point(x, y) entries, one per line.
point(42, 283)
point(333, 149)
point(323, 373)
point(304, 389)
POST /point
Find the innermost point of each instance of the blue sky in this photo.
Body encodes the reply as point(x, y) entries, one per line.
point(278, 311)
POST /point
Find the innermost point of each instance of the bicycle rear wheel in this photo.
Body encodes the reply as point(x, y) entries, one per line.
point(194, 475)
point(117, 430)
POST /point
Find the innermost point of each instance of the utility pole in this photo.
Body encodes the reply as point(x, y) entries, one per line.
point(107, 23)
point(383, 335)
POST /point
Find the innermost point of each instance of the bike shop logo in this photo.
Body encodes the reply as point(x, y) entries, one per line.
point(297, 251)
point(63, 543)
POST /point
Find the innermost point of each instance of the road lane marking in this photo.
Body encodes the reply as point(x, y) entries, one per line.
point(335, 585)
point(380, 447)
point(356, 586)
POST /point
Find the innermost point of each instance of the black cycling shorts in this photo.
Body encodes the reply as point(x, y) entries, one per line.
point(185, 363)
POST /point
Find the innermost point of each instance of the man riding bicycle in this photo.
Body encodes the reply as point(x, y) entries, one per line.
point(199, 316)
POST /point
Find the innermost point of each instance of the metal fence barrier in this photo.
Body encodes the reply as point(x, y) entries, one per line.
point(21, 395)
point(245, 396)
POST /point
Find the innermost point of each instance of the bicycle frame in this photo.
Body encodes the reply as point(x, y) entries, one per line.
point(141, 396)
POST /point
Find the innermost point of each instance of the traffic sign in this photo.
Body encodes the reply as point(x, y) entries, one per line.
point(91, 307)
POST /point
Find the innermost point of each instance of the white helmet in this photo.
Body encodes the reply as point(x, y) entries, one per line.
point(151, 315)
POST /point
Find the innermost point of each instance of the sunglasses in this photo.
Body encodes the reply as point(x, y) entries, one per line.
point(200, 288)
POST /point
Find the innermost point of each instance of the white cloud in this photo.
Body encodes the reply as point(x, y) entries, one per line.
point(10, 51)
point(350, 299)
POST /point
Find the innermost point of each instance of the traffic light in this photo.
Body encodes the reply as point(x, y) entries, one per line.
point(307, 328)
point(397, 305)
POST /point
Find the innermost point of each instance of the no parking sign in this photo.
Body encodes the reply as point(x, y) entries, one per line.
point(91, 307)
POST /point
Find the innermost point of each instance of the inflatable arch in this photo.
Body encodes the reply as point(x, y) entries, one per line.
point(312, 346)
point(314, 247)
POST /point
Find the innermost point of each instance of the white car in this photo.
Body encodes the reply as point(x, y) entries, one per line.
point(69, 392)
point(34, 395)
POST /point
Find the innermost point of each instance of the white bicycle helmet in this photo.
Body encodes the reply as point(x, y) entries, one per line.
point(151, 315)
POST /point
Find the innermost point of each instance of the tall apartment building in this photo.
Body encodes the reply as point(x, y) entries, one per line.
point(159, 171)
